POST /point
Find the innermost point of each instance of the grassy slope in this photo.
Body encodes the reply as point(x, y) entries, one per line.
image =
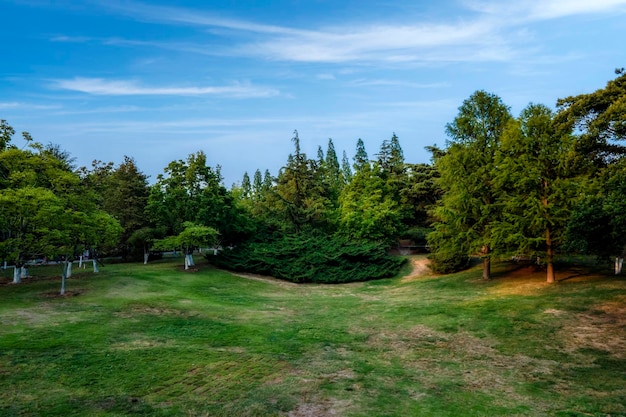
point(155, 340)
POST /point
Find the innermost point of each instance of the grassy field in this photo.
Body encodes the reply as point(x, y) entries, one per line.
point(158, 341)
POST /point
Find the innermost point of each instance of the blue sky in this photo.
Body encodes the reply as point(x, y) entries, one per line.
point(160, 80)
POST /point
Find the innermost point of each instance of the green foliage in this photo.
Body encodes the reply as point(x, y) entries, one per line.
point(468, 209)
point(368, 208)
point(597, 223)
point(306, 258)
point(361, 160)
point(600, 117)
point(6, 134)
point(302, 199)
point(537, 185)
point(192, 236)
point(191, 191)
point(122, 192)
point(448, 250)
point(45, 210)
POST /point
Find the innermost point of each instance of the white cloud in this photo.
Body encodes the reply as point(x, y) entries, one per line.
point(377, 41)
point(552, 9)
point(394, 83)
point(99, 86)
point(142, 11)
point(491, 34)
point(22, 106)
point(381, 42)
point(529, 10)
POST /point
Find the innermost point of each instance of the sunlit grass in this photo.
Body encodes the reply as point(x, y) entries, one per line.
point(157, 340)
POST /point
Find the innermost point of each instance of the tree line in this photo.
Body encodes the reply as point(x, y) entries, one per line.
point(536, 185)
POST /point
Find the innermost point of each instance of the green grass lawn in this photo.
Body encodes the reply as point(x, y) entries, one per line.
point(155, 340)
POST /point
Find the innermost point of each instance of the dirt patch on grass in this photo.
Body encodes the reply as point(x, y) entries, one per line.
point(602, 328)
point(264, 278)
point(323, 409)
point(57, 294)
point(472, 364)
point(141, 342)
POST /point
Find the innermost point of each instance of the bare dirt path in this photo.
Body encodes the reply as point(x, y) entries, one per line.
point(420, 269)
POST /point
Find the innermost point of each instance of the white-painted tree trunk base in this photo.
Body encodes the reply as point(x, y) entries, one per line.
point(17, 275)
point(95, 266)
point(80, 261)
point(24, 272)
point(618, 265)
point(189, 261)
point(69, 269)
point(66, 267)
point(146, 255)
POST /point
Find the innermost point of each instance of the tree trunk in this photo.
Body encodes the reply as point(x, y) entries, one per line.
point(63, 276)
point(17, 275)
point(69, 269)
point(95, 266)
point(550, 258)
point(80, 261)
point(618, 265)
point(146, 255)
point(23, 272)
point(487, 268)
point(486, 263)
point(4, 265)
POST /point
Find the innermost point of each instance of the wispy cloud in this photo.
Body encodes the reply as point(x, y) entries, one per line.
point(552, 9)
point(99, 86)
point(394, 83)
point(178, 15)
point(490, 34)
point(379, 42)
point(374, 41)
point(20, 105)
point(530, 10)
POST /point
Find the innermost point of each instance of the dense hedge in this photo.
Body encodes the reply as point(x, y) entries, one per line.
point(319, 259)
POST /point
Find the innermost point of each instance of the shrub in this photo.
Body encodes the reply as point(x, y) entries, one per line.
point(448, 262)
point(318, 259)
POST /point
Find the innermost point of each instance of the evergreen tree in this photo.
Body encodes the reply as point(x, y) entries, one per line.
point(246, 186)
point(361, 160)
point(268, 181)
point(332, 173)
point(537, 186)
point(125, 197)
point(346, 171)
point(468, 210)
point(320, 156)
point(396, 156)
point(257, 185)
point(600, 119)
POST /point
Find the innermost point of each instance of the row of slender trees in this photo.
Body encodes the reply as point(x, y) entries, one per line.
point(539, 184)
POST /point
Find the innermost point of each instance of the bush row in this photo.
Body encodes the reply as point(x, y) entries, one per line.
point(316, 259)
